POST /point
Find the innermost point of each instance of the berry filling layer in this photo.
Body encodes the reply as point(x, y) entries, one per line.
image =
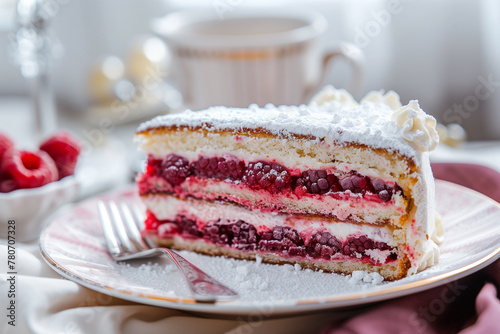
point(269, 186)
point(266, 176)
point(284, 241)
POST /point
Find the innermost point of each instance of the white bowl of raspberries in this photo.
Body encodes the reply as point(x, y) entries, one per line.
point(33, 184)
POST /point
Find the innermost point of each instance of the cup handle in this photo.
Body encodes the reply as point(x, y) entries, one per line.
point(354, 57)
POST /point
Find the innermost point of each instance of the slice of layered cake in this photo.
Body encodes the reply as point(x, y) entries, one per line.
point(334, 185)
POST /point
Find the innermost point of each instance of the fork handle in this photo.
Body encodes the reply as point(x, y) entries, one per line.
point(203, 287)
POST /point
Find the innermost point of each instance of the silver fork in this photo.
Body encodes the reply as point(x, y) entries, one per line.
point(124, 242)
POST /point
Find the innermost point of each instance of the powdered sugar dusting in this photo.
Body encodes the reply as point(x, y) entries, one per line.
point(253, 281)
point(368, 123)
point(359, 277)
point(147, 273)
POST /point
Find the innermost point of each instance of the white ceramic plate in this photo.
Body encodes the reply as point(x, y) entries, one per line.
point(72, 244)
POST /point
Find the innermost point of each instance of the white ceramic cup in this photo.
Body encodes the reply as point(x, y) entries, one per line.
point(264, 56)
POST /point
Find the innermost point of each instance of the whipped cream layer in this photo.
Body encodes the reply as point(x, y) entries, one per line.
point(424, 231)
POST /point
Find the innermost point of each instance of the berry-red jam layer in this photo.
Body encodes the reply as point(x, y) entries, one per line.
point(262, 175)
point(284, 241)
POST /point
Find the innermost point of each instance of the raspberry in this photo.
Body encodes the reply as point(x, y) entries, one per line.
point(378, 185)
point(188, 227)
point(217, 233)
point(271, 177)
point(383, 190)
point(318, 182)
point(151, 222)
point(323, 244)
point(297, 251)
point(384, 195)
point(355, 183)
point(283, 240)
point(153, 167)
point(64, 149)
point(220, 168)
point(5, 144)
point(29, 170)
point(175, 169)
point(239, 235)
point(361, 244)
point(244, 236)
point(7, 183)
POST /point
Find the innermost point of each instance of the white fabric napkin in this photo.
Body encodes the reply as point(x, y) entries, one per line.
point(49, 303)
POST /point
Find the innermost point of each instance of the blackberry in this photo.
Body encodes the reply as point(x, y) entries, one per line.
point(359, 245)
point(220, 168)
point(188, 227)
point(382, 189)
point(323, 244)
point(318, 182)
point(355, 183)
point(271, 177)
point(175, 169)
point(282, 240)
point(239, 235)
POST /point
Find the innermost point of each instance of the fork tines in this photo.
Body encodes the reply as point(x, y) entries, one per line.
point(120, 227)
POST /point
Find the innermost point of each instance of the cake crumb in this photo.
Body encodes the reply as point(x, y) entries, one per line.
point(297, 267)
point(358, 276)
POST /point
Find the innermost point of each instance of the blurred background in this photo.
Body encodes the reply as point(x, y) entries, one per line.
point(444, 53)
